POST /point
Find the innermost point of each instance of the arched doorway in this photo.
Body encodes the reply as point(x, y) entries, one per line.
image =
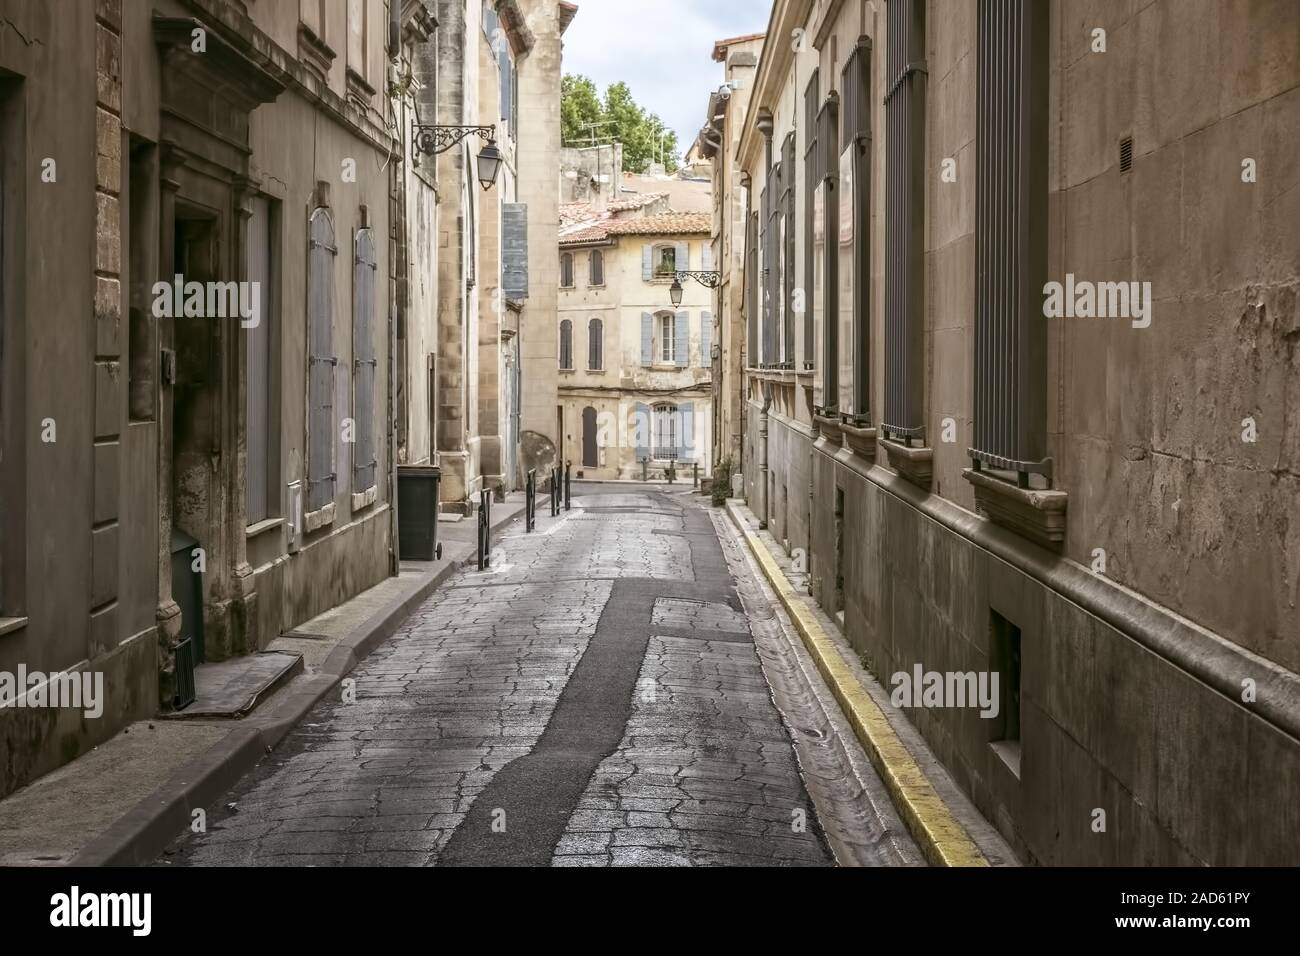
point(589, 455)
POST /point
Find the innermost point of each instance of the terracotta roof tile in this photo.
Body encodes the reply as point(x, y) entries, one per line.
point(663, 224)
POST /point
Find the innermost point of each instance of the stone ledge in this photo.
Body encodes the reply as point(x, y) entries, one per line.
point(861, 440)
point(1037, 514)
point(830, 428)
point(914, 464)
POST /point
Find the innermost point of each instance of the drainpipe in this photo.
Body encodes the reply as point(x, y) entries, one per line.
point(762, 454)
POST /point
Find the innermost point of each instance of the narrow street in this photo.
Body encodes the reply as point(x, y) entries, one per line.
point(614, 690)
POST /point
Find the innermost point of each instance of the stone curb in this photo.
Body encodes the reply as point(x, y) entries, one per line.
point(942, 838)
point(139, 836)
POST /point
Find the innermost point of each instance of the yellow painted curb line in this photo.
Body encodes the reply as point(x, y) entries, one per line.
point(941, 837)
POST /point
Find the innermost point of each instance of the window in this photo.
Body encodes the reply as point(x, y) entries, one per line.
point(1011, 239)
point(566, 270)
point(364, 364)
point(812, 178)
point(595, 345)
point(597, 268)
point(261, 479)
point(788, 221)
point(141, 228)
point(666, 420)
point(855, 235)
point(321, 361)
point(665, 261)
point(1004, 660)
point(667, 339)
point(358, 40)
point(826, 384)
point(904, 220)
point(566, 345)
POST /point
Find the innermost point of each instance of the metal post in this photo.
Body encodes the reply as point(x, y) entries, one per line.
point(555, 491)
point(484, 528)
point(645, 469)
point(530, 500)
point(695, 467)
point(568, 487)
point(672, 471)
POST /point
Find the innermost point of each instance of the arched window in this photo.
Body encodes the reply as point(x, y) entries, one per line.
point(595, 345)
point(597, 276)
point(566, 345)
point(566, 270)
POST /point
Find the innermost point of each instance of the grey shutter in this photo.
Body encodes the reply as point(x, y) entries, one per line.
point(682, 340)
point(647, 339)
point(514, 250)
point(683, 256)
point(596, 267)
point(686, 432)
point(566, 344)
point(706, 256)
point(706, 338)
point(641, 430)
point(363, 362)
point(647, 265)
point(595, 330)
point(257, 345)
point(321, 361)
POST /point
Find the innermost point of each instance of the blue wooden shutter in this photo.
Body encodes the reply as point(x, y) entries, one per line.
point(682, 340)
point(641, 430)
point(686, 432)
point(706, 338)
point(706, 256)
point(647, 263)
point(647, 339)
point(320, 361)
point(683, 256)
point(363, 362)
point(514, 250)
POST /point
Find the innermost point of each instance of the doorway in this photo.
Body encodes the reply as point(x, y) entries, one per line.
point(589, 453)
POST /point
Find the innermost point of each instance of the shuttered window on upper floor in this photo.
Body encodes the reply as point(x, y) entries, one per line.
point(364, 362)
point(904, 220)
point(595, 345)
point(566, 345)
point(812, 177)
point(1011, 238)
point(321, 360)
point(788, 221)
point(855, 204)
point(826, 386)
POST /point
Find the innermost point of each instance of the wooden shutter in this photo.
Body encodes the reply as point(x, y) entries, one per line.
point(706, 339)
point(514, 250)
point(566, 345)
point(706, 256)
point(641, 430)
point(320, 360)
point(788, 269)
point(686, 431)
point(257, 345)
point(856, 83)
point(682, 340)
point(595, 344)
point(812, 177)
point(682, 257)
point(647, 339)
point(597, 276)
point(364, 363)
point(828, 139)
point(647, 262)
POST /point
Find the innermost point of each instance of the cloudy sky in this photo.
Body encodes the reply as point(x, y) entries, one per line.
point(660, 49)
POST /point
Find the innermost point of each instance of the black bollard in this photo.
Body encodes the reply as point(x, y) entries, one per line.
point(568, 487)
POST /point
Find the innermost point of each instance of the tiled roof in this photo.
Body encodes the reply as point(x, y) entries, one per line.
point(664, 224)
point(720, 45)
point(586, 232)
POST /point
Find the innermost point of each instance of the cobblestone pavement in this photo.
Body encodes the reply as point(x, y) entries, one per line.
point(593, 698)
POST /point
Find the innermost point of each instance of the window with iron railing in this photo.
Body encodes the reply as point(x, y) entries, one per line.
point(812, 178)
point(826, 390)
point(904, 220)
point(855, 236)
point(1011, 239)
point(788, 221)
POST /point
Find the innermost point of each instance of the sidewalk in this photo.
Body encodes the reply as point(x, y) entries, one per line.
point(946, 825)
point(122, 802)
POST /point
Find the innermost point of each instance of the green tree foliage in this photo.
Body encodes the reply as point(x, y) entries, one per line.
point(618, 119)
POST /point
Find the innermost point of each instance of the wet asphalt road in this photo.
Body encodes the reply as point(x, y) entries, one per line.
point(595, 698)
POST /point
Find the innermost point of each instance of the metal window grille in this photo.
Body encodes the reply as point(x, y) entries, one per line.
point(1011, 238)
point(904, 222)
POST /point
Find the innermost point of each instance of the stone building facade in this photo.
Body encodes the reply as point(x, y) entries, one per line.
point(226, 468)
point(635, 386)
point(1089, 488)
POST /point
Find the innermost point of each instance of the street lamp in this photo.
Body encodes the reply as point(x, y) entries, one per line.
point(489, 164)
point(709, 280)
point(434, 139)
